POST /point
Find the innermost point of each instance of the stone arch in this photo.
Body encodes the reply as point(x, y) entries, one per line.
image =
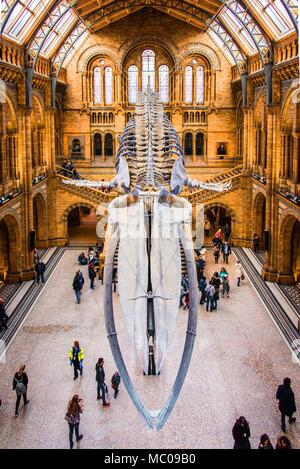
point(10, 246)
point(259, 216)
point(93, 51)
point(227, 207)
point(66, 213)
point(127, 48)
point(40, 219)
point(289, 248)
point(202, 50)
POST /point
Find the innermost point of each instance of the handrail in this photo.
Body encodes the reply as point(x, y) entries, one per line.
point(214, 179)
point(111, 193)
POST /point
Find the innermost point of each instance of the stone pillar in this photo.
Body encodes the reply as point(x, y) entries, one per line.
point(296, 156)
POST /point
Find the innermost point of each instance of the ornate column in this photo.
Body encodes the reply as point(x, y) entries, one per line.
point(296, 156)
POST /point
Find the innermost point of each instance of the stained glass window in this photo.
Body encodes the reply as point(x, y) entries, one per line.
point(164, 83)
point(133, 80)
point(188, 85)
point(97, 86)
point(148, 69)
point(108, 81)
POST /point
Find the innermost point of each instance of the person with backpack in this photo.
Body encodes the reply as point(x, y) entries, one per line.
point(210, 297)
point(40, 268)
point(20, 384)
point(115, 383)
point(78, 284)
point(74, 410)
point(76, 356)
point(202, 288)
point(100, 378)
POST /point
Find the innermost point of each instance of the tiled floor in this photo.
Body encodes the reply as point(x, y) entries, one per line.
point(239, 359)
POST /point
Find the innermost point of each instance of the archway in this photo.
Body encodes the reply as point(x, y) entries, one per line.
point(39, 221)
point(219, 216)
point(10, 251)
point(289, 250)
point(108, 145)
point(188, 144)
point(259, 218)
point(97, 145)
point(81, 224)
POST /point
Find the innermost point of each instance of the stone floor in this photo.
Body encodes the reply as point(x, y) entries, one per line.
point(238, 361)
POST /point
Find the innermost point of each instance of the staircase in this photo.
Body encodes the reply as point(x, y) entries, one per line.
point(89, 193)
point(203, 195)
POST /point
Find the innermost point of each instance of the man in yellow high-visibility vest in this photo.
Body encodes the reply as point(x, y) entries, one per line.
point(76, 356)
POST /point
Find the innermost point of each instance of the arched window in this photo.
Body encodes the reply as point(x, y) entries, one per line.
point(108, 81)
point(148, 69)
point(133, 83)
point(164, 83)
point(97, 145)
point(199, 144)
point(97, 86)
point(108, 145)
point(188, 144)
point(188, 85)
point(200, 85)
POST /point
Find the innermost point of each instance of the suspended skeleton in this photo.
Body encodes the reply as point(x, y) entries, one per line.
point(149, 223)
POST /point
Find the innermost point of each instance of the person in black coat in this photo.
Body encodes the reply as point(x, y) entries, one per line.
point(241, 434)
point(20, 384)
point(40, 269)
point(100, 378)
point(265, 442)
point(3, 316)
point(92, 274)
point(287, 404)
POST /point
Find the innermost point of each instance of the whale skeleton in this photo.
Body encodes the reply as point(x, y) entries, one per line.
point(149, 224)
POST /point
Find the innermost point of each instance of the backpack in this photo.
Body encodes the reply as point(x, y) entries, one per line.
point(20, 388)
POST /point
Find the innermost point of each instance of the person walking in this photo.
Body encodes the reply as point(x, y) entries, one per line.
point(202, 288)
point(226, 250)
point(115, 383)
point(207, 227)
point(216, 282)
point(241, 434)
point(20, 384)
point(75, 408)
point(184, 289)
point(100, 378)
point(40, 269)
point(227, 231)
point(216, 253)
point(76, 356)
point(92, 275)
point(77, 285)
point(210, 297)
point(287, 405)
point(239, 272)
point(3, 316)
point(265, 442)
point(255, 242)
point(283, 443)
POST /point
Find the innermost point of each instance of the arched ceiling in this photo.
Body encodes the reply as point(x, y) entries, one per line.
point(56, 28)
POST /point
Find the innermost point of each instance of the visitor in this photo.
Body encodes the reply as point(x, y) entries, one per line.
point(114, 278)
point(283, 443)
point(200, 265)
point(255, 243)
point(76, 356)
point(92, 275)
point(265, 442)
point(187, 300)
point(75, 174)
point(216, 282)
point(40, 269)
point(241, 434)
point(202, 288)
point(218, 234)
point(287, 405)
point(115, 383)
point(36, 256)
point(20, 385)
point(224, 276)
point(100, 378)
point(211, 218)
point(207, 227)
point(239, 272)
point(210, 297)
point(226, 250)
point(82, 259)
point(216, 253)
point(74, 410)
point(184, 288)
point(3, 316)
point(78, 284)
point(227, 231)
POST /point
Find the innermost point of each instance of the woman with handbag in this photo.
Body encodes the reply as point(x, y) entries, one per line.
point(239, 273)
point(75, 408)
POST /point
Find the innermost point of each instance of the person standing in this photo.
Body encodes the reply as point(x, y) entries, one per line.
point(92, 275)
point(115, 383)
point(76, 356)
point(20, 384)
point(226, 250)
point(255, 242)
point(241, 434)
point(100, 378)
point(78, 284)
point(3, 316)
point(40, 269)
point(287, 405)
point(227, 232)
point(202, 288)
point(75, 408)
point(207, 227)
point(265, 442)
point(216, 253)
point(216, 282)
point(239, 272)
point(210, 297)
